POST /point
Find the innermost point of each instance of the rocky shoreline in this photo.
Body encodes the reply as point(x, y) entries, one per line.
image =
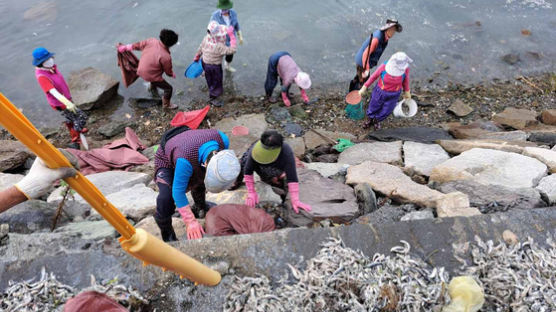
point(470, 151)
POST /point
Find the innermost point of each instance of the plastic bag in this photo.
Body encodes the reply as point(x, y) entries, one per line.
point(342, 145)
point(466, 295)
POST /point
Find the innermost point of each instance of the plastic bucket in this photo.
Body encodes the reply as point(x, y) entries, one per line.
point(410, 105)
point(194, 70)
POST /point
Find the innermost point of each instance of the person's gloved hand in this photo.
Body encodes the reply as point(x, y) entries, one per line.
point(230, 31)
point(406, 95)
point(304, 96)
point(71, 107)
point(124, 47)
point(197, 57)
point(40, 178)
point(293, 188)
point(252, 197)
point(366, 74)
point(194, 228)
point(240, 36)
point(362, 90)
point(174, 75)
point(286, 99)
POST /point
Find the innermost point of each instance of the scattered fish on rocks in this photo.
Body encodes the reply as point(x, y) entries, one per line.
point(49, 294)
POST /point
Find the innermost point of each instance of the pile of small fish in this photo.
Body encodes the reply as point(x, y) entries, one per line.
point(48, 294)
point(519, 277)
point(342, 279)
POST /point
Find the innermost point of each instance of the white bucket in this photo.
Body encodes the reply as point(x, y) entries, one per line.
point(411, 107)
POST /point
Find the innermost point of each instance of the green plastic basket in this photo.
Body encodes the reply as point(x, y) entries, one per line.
point(356, 112)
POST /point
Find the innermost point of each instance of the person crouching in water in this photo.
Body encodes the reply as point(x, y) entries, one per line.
point(58, 94)
point(393, 76)
point(196, 160)
point(156, 60)
point(212, 49)
point(281, 64)
point(274, 161)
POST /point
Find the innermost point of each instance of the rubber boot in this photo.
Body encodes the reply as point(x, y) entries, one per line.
point(166, 104)
point(166, 229)
point(368, 123)
point(229, 67)
point(304, 96)
point(286, 99)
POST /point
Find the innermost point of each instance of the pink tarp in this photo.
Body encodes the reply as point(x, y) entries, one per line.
point(120, 154)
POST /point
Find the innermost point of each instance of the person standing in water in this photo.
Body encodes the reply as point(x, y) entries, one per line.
point(155, 61)
point(371, 50)
point(227, 16)
point(58, 94)
point(393, 76)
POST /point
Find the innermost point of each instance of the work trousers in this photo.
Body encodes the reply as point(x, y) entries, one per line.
point(272, 73)
point(165, 86)
point(214, 77)
point(165, 205)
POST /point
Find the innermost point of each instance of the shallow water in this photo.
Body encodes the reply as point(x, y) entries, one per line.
point(459, 41)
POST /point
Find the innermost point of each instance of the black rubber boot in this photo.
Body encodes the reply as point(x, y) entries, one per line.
point(166, 229)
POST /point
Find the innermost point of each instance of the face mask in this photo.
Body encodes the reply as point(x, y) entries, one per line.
point(48, 63)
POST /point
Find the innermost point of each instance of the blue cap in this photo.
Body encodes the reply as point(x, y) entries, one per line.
point(40, 55)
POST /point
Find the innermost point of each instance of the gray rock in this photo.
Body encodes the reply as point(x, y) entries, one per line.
point(149, 152)
point(459, 146)
point(313, 140)
point(328, 158)
point(473, 130)
point(418, 215)
point(491, 167)
point(256, 124)
point(279, 114)
point(93, 230)
point(516, 135)
point(547, 188)
point(328, 199)
point(511, 58)
point(415, 134)
point(30, 216)
point(366, 198)
point(238, 196)
point(293, 128)
point(115, 128)
point(545, 137)
point(422, 158)
point(12, 154)
point(49, 132)
point(460, 109)
point(8, 179)
point(384, 152)
point(516, 118)
point(549, 117)
point(135, 203)
point(298, 111)
point(386, 214)
point(494, 198)
point(544, 155)
point(326, 169)
point(107, 182)
point(390, 181)
point(91, 88)
point(297, 144)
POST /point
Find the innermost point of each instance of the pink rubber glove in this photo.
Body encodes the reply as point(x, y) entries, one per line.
point(194, 229)
point(197, 57)
point(230, 31)
point(123, 48)
point(174, 75)
point(252, 197)
point(293, 188)
point(304, 96)
point(286, 99)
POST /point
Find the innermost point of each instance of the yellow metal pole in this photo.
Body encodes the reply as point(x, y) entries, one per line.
point(140, 244)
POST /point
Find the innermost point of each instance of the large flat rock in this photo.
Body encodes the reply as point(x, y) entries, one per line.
point(548, 117)
point(473, 130)
point(31, 216)
point(516, 118)
point(313, 139)
point(12, 154)
point(392, 182)
point(421, 158)
point(546, 156)
point(8, 179)
point(491, 167)
point(107, 182)
point(384, 152)
point(415, 134)
point(327, 169)
point(256, 124)
point(547, 137)
point(547, 188)
point(88, 229)
point(516, 135)
point(492, 198)
point(328, 199)
point(238, 196)
point(459, 146)
point(136, 202)
point(91, 88)
point(297, 144)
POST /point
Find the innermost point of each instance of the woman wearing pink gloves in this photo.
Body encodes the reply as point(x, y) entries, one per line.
point(274, 162)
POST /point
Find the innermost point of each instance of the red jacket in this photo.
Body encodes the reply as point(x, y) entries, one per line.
point(155, 60)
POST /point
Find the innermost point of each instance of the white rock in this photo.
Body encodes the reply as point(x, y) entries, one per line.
point(546, 156)
point(383, 152)
point(491, 167)
point(88, 229)
point(326, 169)
point(423, 157)
point(547, 188)
point(8, 179)
point(135, 203)
point(238, 196)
